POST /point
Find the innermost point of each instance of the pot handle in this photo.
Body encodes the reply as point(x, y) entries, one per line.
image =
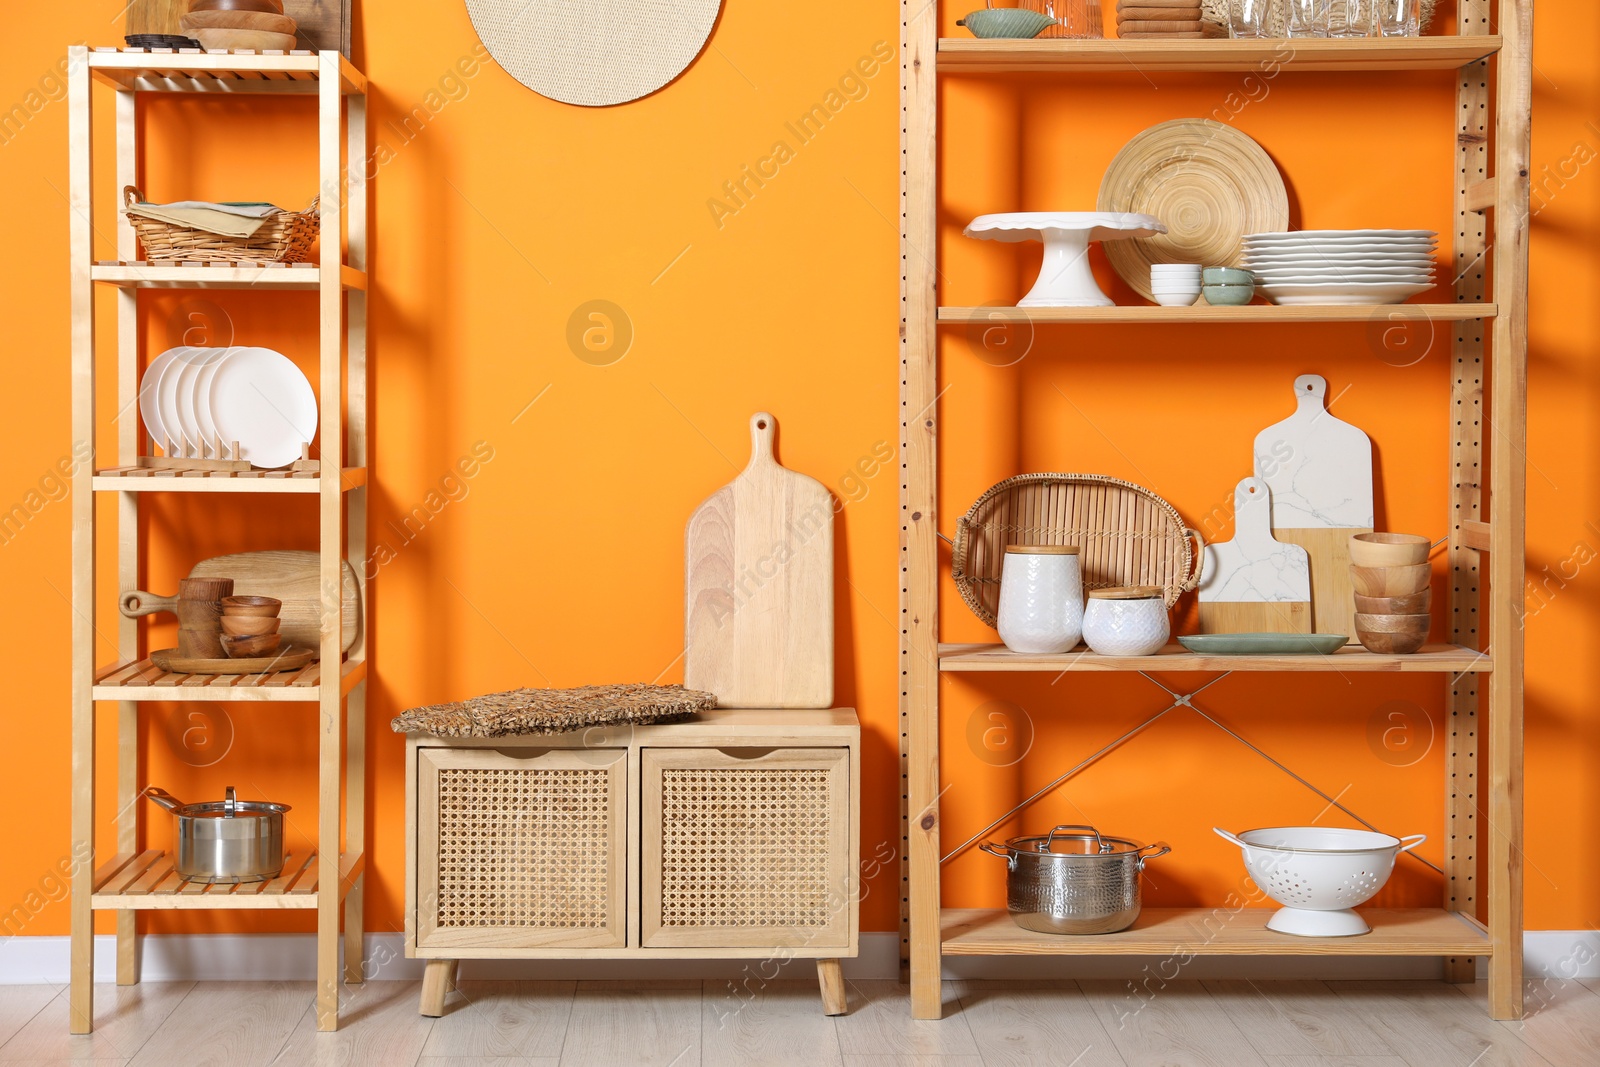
point(230, 803)
point(1220, 832)
point(1049, 841)
point(1152, 850)
point(162, 797)
point(1414, 839)
point(999, 850)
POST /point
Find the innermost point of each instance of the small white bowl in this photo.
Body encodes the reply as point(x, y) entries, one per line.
point(1176, 300)
point(1190, 291)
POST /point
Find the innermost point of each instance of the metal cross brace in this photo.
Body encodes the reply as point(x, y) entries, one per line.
point(1179, 700)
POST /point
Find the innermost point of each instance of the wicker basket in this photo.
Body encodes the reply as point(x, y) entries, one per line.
point(282, 238)
point(1126, 535)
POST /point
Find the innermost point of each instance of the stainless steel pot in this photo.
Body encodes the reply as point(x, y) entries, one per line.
point(1074, 880)
point(226, 841)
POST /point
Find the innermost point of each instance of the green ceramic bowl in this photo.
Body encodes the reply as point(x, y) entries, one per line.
point(1229, 295)
point(1227, 276)
point(1006, 22)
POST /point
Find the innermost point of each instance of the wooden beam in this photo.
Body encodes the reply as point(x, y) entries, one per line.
point(1481, 195)
point(1477, 536)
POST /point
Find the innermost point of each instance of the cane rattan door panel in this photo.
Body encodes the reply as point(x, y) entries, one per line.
point(522, 851)
point(746, 847)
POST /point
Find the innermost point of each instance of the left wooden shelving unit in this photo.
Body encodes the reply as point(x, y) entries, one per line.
point(126, 878)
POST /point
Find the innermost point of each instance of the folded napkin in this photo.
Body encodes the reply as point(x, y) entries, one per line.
point(227, 219)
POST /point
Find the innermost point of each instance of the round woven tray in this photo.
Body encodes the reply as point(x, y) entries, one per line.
point(1125, 534)
point(1207, 181)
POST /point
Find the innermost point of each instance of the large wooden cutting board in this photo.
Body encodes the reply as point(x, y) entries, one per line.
point(758, 627)
point(323, 24)
point(1319, 469)
point(1255, 584)
point(155, 16)
point(290, 576)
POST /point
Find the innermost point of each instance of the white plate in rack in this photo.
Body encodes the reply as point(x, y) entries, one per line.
point(200, 396)
point(1342, 294)
point(260, 399)
point(167, 402)
point(149, 390)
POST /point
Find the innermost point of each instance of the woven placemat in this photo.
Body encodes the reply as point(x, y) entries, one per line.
point(594, 52)
point(554, 711)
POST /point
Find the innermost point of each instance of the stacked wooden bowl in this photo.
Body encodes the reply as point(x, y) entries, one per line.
point(1173, 19)
point(242, 25)
point(1391, 575)
point(250, 626)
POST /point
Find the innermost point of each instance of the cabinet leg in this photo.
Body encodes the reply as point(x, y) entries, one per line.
point(438, 978)
point(830, 976)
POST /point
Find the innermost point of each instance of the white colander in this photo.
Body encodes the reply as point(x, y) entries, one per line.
point(1319, 874)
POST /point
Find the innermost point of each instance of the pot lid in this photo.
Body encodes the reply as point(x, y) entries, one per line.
point(229, 808)
point(1129, 592)
point(1043, 550)
point(1071, 840)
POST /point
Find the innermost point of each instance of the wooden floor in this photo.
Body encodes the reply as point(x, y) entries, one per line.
point(987, 1024)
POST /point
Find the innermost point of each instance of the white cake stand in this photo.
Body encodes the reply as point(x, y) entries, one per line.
point(1065, 280)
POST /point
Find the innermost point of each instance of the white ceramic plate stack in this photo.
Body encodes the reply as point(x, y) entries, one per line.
point(1341, 266)
point(198, 402)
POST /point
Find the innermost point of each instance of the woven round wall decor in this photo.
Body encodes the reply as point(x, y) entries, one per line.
point(1207, 181)
point(594, 52)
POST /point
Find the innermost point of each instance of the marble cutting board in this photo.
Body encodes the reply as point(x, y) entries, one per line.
point(1255, 583)
point(1319, 470)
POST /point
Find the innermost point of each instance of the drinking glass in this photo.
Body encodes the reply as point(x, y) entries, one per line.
point(1350, 18)
point(1397, 18)
point(1248, 18)
point(1308, 18)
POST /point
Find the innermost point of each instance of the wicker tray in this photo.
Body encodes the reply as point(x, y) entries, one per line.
point(282, 238)
point(1126, 535)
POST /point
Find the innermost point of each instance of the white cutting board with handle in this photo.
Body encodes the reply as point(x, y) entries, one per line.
point(758, 626)
point(1255, 583)
point(1319, 469)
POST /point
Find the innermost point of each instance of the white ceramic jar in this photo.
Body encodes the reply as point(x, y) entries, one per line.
point(1126, 621)
point(1041, 598)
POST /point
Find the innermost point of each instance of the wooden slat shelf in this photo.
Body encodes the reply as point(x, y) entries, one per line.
point(1150, 314)
point(146, 882)
point(154, 480)
point(1219, 932)
point(1438, 659)
point(143, 680)
point(191, 70)
point(966, 55)
point(141, 274)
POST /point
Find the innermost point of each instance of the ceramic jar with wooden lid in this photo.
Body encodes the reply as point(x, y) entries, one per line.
point(1041, 598)
point(1126, 621)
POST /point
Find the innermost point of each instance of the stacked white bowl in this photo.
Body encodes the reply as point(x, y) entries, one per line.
point(1341, 266)
point(1175, 285)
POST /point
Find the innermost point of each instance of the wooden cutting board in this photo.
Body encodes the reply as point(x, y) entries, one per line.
point(156, 16)
point(289, 576)
point(758, 627)
point(323, 24)
point(1255, 583)
point(1319, 470)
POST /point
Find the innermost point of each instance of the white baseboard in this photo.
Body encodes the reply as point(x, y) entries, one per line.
point(1550, 955)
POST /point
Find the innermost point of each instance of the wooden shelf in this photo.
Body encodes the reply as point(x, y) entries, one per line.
point(146, 882)
point(966, 55)
point(153, 480)
point(1150, 314)
point(1438, 659)
point(143, 680)
point(1219, 932)
point(141, 274)
point(191, 70)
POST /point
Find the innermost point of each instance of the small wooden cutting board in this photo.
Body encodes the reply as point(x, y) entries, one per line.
point(758, 625)
point(1254, 583)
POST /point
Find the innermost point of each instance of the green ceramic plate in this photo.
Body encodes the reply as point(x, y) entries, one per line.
point(1263, 644)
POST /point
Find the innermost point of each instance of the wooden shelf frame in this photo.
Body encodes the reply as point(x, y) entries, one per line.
point(1352, 659)
point(146, 882)
point(1484, 691)
point(339, 280)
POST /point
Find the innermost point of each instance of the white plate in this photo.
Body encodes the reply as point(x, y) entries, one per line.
point(149, 386)
point(1341, 293)
point(260, 399)
point(1344, 234)
point(200, 397)
point(1327, 273)
point(1376, 259)
point(167, 401)
point(1325, 245)
point(1345, 279)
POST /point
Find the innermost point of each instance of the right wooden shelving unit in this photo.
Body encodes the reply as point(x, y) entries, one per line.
point(1490, 53)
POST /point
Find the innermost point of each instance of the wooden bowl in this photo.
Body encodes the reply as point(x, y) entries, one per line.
point(1390, 644)
point(251, 605)
point(1388, 549)
point(267, 21)
point(274, 6)
point(251, 647)
point(1391, 581)
point(1411, 604)
point(249, 625)
point(1395, 624)
point(243, 40)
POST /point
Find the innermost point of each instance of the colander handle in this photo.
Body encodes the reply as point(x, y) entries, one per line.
point(999, 850)
point(1220, 832)
point(1411, 842)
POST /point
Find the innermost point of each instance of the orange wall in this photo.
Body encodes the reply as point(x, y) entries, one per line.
point(560, 562)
